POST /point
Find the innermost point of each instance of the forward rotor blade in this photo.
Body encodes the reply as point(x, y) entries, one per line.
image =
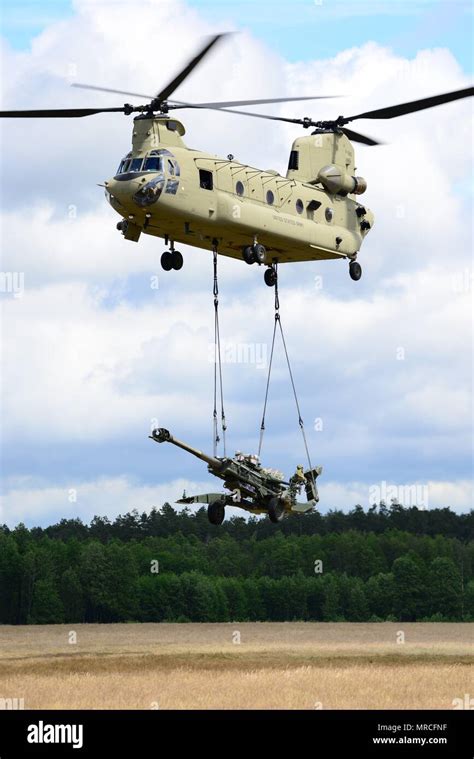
point(232, 103)
point(171, 87)
point(240, 113)
point(60, 113)
point(219, 104)
point(402, 109)
point(179, 79)
point(357, 137)
point(107, 89)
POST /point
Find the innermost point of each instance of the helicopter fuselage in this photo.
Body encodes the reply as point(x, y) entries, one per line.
point(165, 189)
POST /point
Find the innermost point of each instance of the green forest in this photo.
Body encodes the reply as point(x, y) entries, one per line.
point(384, 563)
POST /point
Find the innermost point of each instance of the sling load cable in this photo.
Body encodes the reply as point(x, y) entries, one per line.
point(300, 419)
point(217, 362)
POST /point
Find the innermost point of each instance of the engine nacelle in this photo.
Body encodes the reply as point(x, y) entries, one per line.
point(335, 179)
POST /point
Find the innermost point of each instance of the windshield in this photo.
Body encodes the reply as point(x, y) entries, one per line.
point(151, 163)
point(135, 164)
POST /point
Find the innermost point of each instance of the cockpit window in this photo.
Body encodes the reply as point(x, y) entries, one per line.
point(135, 164)
point(153, 163)
point(129, 164)
point(125, 162)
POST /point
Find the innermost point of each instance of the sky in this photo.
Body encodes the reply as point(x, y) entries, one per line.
point(99, 345)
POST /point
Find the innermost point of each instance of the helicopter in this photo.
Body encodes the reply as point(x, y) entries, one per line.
point(165, 189)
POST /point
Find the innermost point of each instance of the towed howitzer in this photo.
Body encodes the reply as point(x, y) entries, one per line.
point(252, 487)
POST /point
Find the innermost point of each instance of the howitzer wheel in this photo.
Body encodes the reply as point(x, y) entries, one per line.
point(216, 512)
point(276, 510)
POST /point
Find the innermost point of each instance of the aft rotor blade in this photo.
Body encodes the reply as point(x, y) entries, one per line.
point(357, 137)
point(179, 79)
point(402, 109)
point(60, 113)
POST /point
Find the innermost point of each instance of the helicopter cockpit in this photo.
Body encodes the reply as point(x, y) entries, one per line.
point(159, 161)
point(163, 169)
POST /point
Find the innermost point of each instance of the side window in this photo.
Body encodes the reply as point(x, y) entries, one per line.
point(124, 164)
point(205, 179)
point(170, 168)
point(293, 162)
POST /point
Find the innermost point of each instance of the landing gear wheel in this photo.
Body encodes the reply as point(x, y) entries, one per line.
point(249, 255)
point(276, 510)
point(167, 261)
point(176, 260)
point(216, 512)
point(259, 253)
point(355, 271)
point(270, 277)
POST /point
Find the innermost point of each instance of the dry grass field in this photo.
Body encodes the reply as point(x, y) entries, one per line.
point(204, 666)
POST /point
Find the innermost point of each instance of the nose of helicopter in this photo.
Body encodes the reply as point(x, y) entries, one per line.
point(132, 191)
point(119, 194)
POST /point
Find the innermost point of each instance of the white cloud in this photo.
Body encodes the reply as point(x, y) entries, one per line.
point(429, 495)
point(104, 497)
point(109, 497)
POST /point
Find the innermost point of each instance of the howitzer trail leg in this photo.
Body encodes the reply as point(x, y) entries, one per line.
point(310, 486)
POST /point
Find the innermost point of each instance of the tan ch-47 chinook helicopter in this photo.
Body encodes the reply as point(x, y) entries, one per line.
point(166, 189)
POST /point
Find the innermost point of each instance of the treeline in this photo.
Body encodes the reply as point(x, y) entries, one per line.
point(383, 564)
point(167, 521)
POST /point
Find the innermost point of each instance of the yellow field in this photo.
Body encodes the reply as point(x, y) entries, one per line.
point(204, 666)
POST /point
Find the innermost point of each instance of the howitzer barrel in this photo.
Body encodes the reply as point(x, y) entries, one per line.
point(161, 435)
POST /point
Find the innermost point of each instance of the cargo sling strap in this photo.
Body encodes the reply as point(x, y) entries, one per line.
point(217, 366)
point(218, 385)
point(277, 323)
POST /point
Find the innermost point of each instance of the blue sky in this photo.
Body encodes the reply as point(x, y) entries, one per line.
point(319, 28)
point(93, 354)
